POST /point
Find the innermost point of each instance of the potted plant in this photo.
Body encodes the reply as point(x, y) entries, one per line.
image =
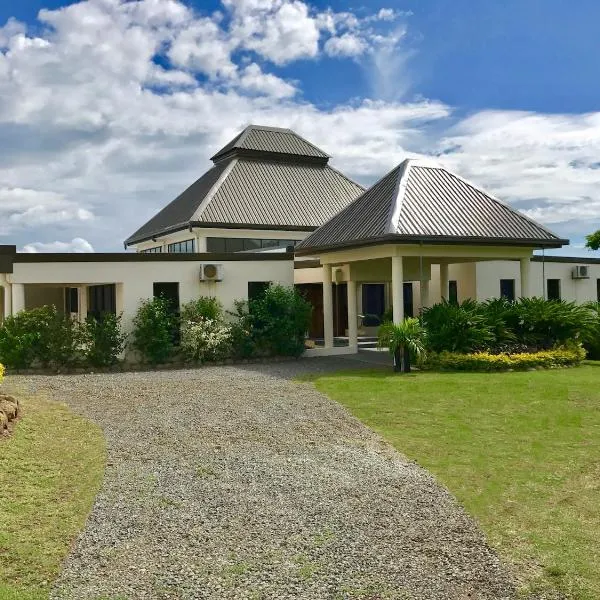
point(403, 340)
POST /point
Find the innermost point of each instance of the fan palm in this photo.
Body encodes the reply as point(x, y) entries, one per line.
point(403, 340)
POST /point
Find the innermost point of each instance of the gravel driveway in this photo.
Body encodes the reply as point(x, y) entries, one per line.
point(230, 482)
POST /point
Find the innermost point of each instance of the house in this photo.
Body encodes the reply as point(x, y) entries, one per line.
point(272, 209)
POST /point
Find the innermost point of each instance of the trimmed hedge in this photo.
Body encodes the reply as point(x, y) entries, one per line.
point(484, 361)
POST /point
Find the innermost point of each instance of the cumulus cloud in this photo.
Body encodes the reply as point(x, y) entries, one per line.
point(77, 245)
point(109, 109)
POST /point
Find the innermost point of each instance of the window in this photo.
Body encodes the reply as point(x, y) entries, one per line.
point(598, 289)
point(170, 291)
point(453, 291)
point(256, 289)
point(154, 250)
point(245, 244)
point(409, 306)
point(507, 289)
point(102, 299)
point(182, 247)
point(71, 300)
point(553, 289)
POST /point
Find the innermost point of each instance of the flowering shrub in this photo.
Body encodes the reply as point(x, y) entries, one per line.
point(484, 361)
point(205, 340)
point(1, 371)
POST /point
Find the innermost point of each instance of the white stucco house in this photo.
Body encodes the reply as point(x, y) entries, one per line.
point(272, 209)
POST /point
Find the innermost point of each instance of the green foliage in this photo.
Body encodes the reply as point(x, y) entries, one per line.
point(592, 343)
point(404, 340)
point(280, 319)
point(503, 326)
point(153, 327)
point(103, 340)
point(593, 240)
point(205, 340)
point(457, 327)
point(484, 361)
point(242, 339)
point(202, 308)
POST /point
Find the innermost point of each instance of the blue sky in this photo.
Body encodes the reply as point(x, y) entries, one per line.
point(112, 111)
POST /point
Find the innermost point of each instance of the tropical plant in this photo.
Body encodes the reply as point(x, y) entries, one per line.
point(404, 340)
point(242, 339)
point(592, 343)
point(458, 327)
point(103, 339)
point(153, 330)
point(593, 240)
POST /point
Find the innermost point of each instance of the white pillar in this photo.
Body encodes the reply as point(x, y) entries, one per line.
point(525, 264)
point(444, 281)
point(18, 298)
point(352, 315)
point(82, 294)
point(424, 291)
point(7, 300)
point(397, 289)
point(327, 307)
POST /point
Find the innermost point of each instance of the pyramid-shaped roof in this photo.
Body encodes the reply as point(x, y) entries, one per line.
point(265, 178)
point(422, 202)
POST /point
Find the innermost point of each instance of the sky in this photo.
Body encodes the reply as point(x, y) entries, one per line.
point(109, 109)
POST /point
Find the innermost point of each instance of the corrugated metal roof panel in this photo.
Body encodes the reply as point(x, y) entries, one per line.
point(279, 194)
point(260, 138)
point(431, 203)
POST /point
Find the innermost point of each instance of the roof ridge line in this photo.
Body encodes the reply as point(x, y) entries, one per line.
point(500, 202)
point(362, 187)
point(213, 190)
point(393, 217)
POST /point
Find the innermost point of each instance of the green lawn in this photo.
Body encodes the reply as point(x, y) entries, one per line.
point(50, 471)
point(521, 451)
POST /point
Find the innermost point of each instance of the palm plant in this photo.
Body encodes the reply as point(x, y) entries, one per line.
point(404, 340)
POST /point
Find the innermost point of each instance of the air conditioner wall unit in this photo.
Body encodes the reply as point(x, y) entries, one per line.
point(211, 272)
point(581, 272)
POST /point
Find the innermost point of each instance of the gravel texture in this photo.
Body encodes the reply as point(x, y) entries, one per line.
point(238, 483)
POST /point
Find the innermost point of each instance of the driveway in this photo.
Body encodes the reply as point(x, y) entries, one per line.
point(237, 482)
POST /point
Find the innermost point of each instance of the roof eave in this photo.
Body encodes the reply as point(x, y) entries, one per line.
point(433, 240)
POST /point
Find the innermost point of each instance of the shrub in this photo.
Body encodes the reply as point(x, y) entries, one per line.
point(484, 361)
point(153, 330)
point(405, 340)
point(103, 340)
point(242, 340)
point(279, 318)
point(1, 371)
point(457, 327)
point(202, 308)
point(592, 343)
point(205, 340)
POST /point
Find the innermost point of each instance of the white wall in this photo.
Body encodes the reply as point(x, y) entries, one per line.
point(135, 279)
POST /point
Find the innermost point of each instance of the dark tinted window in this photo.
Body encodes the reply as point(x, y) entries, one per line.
point(507, 289)
point(245, 244)
point(102, 299)
point(71, 300)
point(453, 291)
point(256, 289)
point(154, 250)
point(553, 289)
point(183, 247)
point(598, 289)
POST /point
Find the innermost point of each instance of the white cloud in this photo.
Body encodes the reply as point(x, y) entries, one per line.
point(347, 44)
point(77, 245)
point(100, 129)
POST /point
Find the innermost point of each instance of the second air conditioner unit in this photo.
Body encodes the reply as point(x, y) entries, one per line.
point(211, 272)
point(581, 272)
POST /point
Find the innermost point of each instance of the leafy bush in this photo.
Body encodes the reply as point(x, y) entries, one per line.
point(35, 336)
point(404, 340)
point(280, 318)
point(103, 340)
point(205, 340)
point(202, 308)
point(592, 343)
point(484, 361)
point(1, 371)
point(242, 339)
point(153, 328)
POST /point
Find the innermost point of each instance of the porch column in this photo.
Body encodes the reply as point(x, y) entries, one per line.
point(424, 291)
point(352, 315)
point(444, 281)
point(397, 289)
point(525, 264)
point(327, 307)
point(18, 298)
point(83, 302)
point(7, 300)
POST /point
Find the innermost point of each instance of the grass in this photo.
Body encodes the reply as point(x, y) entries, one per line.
point(521, 451)
point(50, 471)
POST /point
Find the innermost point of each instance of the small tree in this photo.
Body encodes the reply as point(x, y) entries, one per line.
point(403, 340)
point(153, 330)
point(103, 339)
point(593, 240)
